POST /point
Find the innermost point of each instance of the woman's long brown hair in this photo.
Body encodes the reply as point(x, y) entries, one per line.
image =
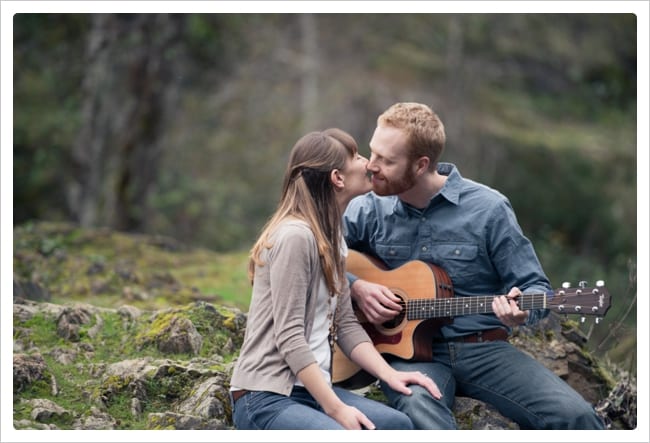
point(308, 194)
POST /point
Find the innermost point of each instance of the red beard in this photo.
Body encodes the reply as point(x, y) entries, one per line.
point(385, 187)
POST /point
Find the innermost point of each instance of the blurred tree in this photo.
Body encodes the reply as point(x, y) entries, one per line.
point(47, 72)
point(184, 121)
point(128, 94)
point(309, 78)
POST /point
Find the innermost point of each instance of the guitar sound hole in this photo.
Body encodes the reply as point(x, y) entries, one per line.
point(394, 322)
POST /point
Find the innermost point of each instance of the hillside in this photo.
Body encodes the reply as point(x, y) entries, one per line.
point(118, 331)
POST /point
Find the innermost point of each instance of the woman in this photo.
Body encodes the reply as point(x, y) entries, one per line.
point(301, 304)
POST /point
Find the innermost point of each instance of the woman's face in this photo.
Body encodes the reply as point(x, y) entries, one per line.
point(357, 179)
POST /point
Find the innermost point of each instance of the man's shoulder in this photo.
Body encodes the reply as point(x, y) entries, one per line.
point(468, 185)
point(483, 192)
point(372, 200)
point(369, 207)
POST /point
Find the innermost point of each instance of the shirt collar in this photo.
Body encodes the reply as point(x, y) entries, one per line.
point(454, 183)
point(450, 191)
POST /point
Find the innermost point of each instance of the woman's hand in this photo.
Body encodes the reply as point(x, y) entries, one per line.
point(367, 357)
point(350, 417)
point(400, 380)
point(347, 416)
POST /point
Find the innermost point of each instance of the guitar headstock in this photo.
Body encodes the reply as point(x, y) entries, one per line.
point(581, 300)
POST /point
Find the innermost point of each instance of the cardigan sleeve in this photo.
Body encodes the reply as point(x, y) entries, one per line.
point(349, 331)
point(293, 264)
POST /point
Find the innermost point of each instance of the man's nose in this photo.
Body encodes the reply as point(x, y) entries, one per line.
point(370, 166)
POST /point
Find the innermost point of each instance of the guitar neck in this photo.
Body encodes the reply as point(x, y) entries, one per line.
point(420, 309)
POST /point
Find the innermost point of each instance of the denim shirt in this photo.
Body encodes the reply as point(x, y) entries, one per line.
point(468, 229)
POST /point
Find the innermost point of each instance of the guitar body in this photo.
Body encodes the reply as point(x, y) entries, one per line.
point(426, 294)
point(400, 337)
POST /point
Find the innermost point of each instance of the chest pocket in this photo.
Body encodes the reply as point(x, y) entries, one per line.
point(458, 259)
point(394, 255)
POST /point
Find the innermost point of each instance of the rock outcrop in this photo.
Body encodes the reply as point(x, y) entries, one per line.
point(166, 382)
point(77, 365)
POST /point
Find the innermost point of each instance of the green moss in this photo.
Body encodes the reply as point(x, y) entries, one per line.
point(175, 385)
point(217, 327)
point(41, 388)
point(22, 410)
point(156, 329)
point(40, 330)
point(119, 407)
point(110, 268)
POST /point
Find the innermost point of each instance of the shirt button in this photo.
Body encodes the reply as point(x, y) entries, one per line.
point(424, 248)
point(457, 252)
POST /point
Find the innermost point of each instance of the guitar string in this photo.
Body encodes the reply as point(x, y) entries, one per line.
point(461, 305)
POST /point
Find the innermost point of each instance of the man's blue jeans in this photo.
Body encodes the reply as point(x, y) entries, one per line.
point(268, 410)
point(495, 372)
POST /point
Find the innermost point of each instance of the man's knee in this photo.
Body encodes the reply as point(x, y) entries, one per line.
point(586, 418)
point(425, 411)
point(573, 417)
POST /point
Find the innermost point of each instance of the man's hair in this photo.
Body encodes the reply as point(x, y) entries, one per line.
point(426, 133)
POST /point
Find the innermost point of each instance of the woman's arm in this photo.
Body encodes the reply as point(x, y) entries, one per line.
point(349, 417)
point(367, 357)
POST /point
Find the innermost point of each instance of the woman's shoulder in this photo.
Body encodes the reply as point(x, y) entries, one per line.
point(294, 226)
point(294, 231)
point(294, 240)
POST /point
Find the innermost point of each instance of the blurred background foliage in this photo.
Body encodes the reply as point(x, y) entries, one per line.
point(181, 124)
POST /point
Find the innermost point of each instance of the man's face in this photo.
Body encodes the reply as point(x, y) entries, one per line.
point(392, 171)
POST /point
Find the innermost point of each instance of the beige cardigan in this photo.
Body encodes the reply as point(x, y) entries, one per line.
point(281, 314)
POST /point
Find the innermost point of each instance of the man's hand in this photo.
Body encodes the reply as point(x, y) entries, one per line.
point(377, 302)
point(506, 309)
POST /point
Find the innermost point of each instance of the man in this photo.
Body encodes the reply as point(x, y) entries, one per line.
point(425, 210)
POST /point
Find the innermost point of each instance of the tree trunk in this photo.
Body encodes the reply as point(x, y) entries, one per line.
point(309, 71)
point(128, 91)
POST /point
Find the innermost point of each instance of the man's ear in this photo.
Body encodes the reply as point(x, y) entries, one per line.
point(422, 165)
point(337, 179)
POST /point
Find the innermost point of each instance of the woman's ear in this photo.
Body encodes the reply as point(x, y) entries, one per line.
point(337, 179)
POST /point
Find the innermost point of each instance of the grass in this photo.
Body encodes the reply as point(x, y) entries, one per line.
point(108, 268)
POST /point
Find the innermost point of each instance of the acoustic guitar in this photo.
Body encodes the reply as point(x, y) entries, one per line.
point(427, 298)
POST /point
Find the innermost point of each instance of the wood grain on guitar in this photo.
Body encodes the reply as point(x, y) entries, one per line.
point(428, 302)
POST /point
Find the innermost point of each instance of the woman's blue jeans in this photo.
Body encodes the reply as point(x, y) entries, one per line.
point(268, 410)
point(496, 372)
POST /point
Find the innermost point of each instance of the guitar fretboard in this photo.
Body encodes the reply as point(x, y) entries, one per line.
point(419, 309)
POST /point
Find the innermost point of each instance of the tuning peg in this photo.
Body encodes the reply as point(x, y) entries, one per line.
point(582, 319)
point(600, 283)
point(598, 319)
point(582, 284)
point(565, 285)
